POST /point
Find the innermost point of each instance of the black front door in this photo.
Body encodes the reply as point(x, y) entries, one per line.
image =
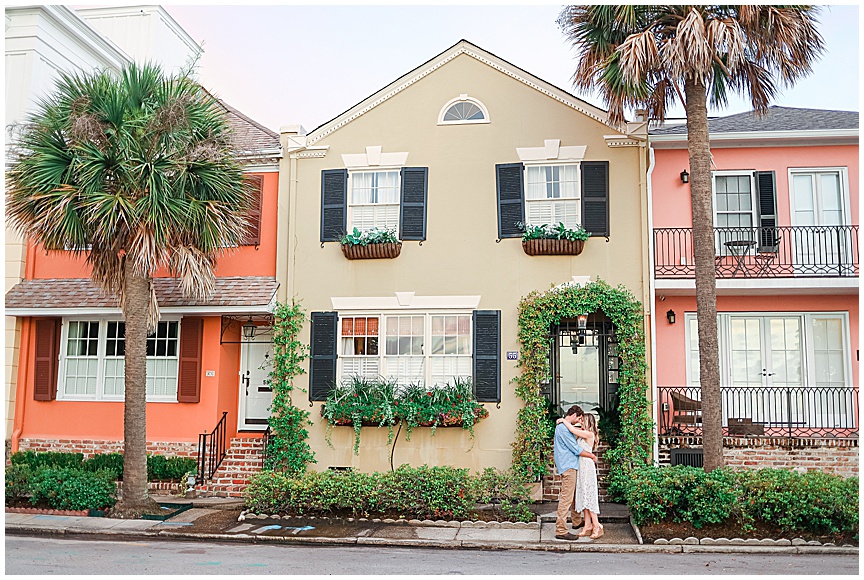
point(584, 364)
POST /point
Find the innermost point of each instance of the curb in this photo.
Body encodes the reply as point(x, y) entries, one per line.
point(168, 535)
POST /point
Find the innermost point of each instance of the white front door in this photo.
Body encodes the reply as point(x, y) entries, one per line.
point(256, 361)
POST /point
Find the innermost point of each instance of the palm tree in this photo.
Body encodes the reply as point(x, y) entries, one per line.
point(647, 56)
point(136, 173)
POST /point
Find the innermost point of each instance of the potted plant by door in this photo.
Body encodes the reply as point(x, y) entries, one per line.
point(548, 240)
point(368, 244)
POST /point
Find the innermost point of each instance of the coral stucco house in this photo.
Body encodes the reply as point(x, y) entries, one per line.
point(786, 203)
point(205, 364)
point(453, 155)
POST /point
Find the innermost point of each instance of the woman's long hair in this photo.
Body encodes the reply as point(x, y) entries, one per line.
point(589, 423)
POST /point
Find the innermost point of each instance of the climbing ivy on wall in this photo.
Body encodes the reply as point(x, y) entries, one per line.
point(537, 313)
point(288, 449)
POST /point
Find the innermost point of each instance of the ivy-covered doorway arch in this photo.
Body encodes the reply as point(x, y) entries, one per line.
point(540, 311)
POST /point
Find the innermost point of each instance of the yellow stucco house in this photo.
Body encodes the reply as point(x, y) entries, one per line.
point(455, 156)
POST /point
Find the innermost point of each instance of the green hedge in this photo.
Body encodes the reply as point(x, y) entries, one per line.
point(72, 489)
point(421, 492)
point(814, 502)
point(159, 467)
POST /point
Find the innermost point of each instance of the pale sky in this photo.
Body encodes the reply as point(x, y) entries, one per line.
point(296, 64)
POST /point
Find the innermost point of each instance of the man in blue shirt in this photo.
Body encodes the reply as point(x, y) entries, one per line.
point(567, 452)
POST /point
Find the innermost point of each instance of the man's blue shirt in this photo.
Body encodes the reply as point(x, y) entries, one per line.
point(567, 450)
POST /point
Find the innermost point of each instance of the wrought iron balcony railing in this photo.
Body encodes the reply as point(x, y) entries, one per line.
point(794, 412)
point(778, 252)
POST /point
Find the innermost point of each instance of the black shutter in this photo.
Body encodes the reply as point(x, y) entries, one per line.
point(322, 368)
point(511, 199)
point(412, 214)
point(766, 193)
point(487, 355)
point(334, 199)
point(595, 197)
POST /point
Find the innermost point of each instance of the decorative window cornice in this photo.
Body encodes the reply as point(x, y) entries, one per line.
point(373, 157)
point(551, 151)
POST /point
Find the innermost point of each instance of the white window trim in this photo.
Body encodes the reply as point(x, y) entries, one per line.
point(553, 163)
point(382, 336)
point(460, 99)
point(351, 206)
point(100, 357)
point(808, 362)
point(751, 173)
point(844, 184)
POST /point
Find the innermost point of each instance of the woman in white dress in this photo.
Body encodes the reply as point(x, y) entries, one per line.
point(587, 493)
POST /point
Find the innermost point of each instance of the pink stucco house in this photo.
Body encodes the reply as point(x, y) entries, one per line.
point(786, 208)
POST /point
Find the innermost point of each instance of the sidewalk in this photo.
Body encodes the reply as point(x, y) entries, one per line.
point(620, 536)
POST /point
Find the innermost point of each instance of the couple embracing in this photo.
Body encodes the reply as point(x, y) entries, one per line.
point(575, 439)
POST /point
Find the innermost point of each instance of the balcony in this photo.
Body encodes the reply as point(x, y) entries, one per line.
point(790, 412)
point(778, 252)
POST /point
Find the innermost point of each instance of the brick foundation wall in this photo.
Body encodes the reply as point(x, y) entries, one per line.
point(552, 482)
point(91, 447)
point(837, 456)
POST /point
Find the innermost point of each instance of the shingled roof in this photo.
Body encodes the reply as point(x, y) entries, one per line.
point(243, 291)
point(250, 137)
point(776, 119)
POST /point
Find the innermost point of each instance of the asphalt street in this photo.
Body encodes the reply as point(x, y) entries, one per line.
point(48, 556)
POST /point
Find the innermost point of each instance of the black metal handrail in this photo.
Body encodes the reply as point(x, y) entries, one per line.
point(793, 412)
point(212, 449)
point(265, 453)
point(757, 252)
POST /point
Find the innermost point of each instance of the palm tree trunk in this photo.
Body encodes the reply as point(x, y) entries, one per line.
point(136, 499)
point(699, 150)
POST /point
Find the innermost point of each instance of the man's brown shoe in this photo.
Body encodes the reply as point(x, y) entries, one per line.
point(567, 536)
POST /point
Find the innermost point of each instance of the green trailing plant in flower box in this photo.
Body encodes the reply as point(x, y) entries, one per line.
point(358, 237)
point(383, 403)
point(552, 232)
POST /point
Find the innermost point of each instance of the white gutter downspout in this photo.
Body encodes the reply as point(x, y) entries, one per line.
point(652, 306)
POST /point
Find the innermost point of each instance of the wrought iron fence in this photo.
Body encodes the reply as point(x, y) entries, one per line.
point(795, 412)
point(778, 252)
point(212, 449)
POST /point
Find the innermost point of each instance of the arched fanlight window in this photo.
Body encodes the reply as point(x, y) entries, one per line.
point(463, 110)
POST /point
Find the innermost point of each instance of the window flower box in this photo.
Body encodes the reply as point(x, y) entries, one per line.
point(549, 240)
point(371, 244)
point(372, 251)
point(549, 247)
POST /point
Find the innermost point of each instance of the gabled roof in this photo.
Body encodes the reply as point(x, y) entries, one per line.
point(776, 119)
point(472, 50)
point(249, 137)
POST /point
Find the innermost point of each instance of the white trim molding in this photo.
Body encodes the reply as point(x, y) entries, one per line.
point(165, 310)
point(551, 151)
point(373, 157)
point(405, 301)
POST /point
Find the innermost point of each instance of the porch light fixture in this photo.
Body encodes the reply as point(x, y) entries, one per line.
point(582, 321)
point(685, 177)
point(670, 316)
point(249, 329)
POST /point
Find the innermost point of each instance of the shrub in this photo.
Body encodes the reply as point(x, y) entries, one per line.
point(173, 468)
point(18, 480)
point(371, 236)
point(550, 232)
point(421, 492)
point(48, 459)
point(814, 502)
point(112, 462)
point(72, 489)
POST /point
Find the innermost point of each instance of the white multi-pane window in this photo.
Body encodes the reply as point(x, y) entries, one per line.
point(373, 200)
point(93, 364)
point(776, 350)
point(734, 209)
point(552, 195)
point(818, 197)
point(426, 348)
point(358, 348)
